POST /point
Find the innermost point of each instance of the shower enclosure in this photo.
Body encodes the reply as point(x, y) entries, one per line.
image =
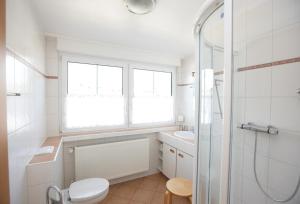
point(264, 164)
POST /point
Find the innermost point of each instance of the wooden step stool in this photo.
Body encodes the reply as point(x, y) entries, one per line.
point(180, 187)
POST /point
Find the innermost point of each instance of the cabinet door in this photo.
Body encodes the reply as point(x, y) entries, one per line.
point(184, 165)
point(169, 161)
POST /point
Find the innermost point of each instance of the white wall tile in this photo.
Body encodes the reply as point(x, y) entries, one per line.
point(259, 50)
point(52, 125)
point(52, 105)
point(285, 79)
point(285, 147)
point(239, 84)
point(286, 42)
point(52, 66)
point(258, 110)
point(11, 114)
point(52, 88)
point(258, 18)
point(285, 112)
point(10, 73)
point(252, 194)
point(261, 166)
point(258, 82)
point(283, 178)
point(285, 13)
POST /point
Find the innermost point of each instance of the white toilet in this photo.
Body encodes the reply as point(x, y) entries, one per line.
point(86, 191)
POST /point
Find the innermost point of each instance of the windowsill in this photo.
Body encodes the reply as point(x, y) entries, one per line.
point(79, 136)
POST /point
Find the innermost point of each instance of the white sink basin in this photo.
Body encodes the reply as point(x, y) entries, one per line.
point(187, 135)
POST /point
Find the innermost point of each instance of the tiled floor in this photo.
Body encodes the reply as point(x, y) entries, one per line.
point(147, 190)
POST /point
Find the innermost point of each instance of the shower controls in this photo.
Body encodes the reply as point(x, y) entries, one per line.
point(271, 131)
point(298, 91)
point(257, 128)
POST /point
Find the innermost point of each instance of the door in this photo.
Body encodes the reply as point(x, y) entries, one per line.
point(184, 165)
point(210, 107)
point(4, 184)
point(169, 161)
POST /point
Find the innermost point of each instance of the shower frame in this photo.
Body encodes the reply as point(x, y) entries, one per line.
point(208, 8)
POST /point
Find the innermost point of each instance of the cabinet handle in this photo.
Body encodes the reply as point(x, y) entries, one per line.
point(172, 151)
point(180, 155)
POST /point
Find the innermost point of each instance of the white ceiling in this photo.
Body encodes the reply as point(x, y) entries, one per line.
point(168, 29)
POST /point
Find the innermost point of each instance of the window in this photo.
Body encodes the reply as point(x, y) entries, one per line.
point(95, 94)
point(152, 100)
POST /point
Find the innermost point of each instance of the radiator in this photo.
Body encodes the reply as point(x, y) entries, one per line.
point(112, 160)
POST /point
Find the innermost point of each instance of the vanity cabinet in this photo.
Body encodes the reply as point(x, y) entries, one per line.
point(169, 161)
point(176, 163)
point(184, 165)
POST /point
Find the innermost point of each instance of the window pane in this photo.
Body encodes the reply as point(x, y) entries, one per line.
point(82, 79)
point(93, 111)
point(162, 84)
point(110, 81)
point(143, 82)
point(152, 101)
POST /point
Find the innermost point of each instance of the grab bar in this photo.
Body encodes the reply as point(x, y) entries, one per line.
point(13, 94)
point(50, 200)
point(257, 128)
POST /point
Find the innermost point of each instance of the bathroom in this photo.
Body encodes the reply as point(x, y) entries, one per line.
point(150, 101)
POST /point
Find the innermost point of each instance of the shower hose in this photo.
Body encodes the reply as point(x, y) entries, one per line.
point(260, 186)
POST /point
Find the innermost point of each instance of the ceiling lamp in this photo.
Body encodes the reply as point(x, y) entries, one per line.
point(140, 7)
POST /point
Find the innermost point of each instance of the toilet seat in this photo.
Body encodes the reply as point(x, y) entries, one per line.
point(88, 189)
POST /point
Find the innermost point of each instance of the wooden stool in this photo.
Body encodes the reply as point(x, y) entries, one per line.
point(179, 187)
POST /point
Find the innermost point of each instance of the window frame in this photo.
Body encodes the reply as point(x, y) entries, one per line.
point(127, 83)
point(157, 68)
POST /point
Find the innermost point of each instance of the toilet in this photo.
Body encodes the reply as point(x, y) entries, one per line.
point(86, 191)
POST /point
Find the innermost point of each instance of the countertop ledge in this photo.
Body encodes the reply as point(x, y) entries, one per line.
point(50, 141)
point(117, 133)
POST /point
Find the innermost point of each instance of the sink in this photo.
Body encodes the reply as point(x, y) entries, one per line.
point(187, 135)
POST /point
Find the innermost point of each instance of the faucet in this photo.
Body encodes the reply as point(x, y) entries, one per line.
point(53, 200)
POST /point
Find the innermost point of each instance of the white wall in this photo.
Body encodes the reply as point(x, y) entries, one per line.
point(26, 113)
point(264, 32)
point(185, 91)
point(23, 33)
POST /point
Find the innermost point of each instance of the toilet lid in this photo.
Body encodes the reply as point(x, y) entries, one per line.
point(87, 189)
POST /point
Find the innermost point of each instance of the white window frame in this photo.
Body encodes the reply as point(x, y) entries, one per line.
point(157, 68)
point(128, 67)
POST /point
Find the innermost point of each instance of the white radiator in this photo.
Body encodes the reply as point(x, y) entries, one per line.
point(112, 160)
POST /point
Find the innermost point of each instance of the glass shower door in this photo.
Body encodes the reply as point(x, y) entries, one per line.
point(211, 106)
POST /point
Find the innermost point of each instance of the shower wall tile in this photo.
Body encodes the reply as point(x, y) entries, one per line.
point(259, 50)
point(258, 110)
point(285, 13)
point(262, 142)
point(280, 85)
point(285, 147)
point(285, 112)
point(252, 194)
point(258, 18)
point(262, 166)
point(283, 178)
point(258, 83)
point(286, 42)
point(239, 84)
point(267, 31)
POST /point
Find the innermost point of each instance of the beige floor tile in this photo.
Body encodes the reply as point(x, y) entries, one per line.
point(150, 185)
point(124, 191)
point(158, 198)
point(116, 200)
point(143, 196)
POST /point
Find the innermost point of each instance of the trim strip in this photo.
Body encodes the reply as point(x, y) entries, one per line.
point(270, 64)
point(17, 56)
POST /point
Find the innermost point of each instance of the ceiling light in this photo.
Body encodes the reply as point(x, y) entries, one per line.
point(140, 7)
